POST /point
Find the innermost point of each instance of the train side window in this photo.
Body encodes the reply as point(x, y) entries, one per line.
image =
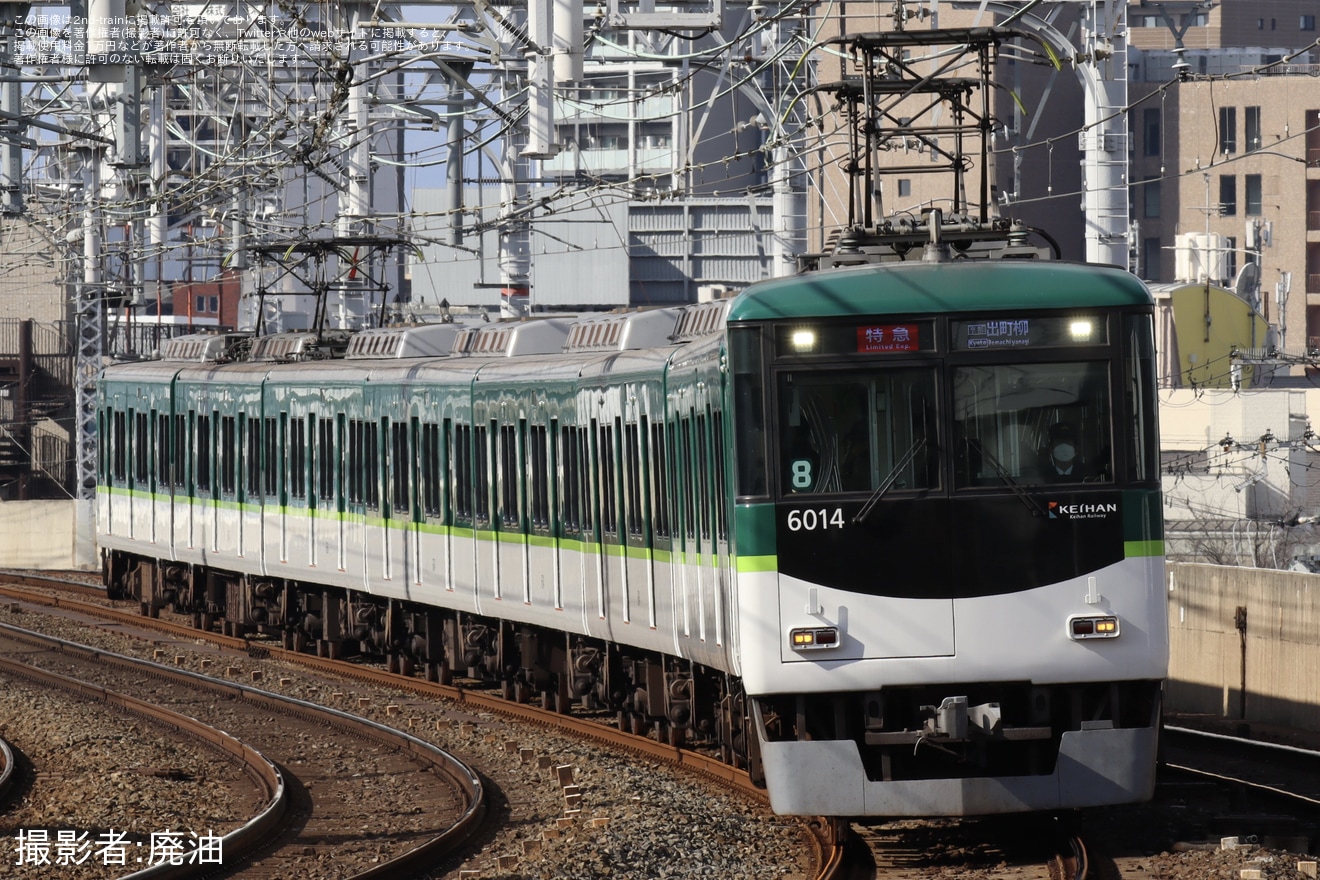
point(353, 473)
point(325, 459)
point(180, 457)
point(632, 480)
point(119, 437)
point(688, 469)
point(296, 448)
point(102, 445)
point(141, 448)
point(374, 455)
point(227, 453)
point(509, 472)
point(271, 431)
point(164, 472)
point(745, 358)
point(400, 466)
point(340, 444)
point(462, 452)
point(481, 472)
point(203, 453)
point(703, 475)
point(570, 496)
point(538, 476)
point(609, 522)
point(660, 496)
point(719, 509)
point(1139, 376)
point(588, 484)
point(431, 459)
point(253, 467)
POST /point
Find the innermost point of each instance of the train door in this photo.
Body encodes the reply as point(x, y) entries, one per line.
point(660, 479)
point(362, 496)
point(176, 470)
point(462, 553)
point(139, 485)
point(543, 578)
point(575, 522)
point(434, 500)
point(485, 544)
point(638, 578)
point(227, 528)
point(297, 470)
point(412, 532)
point(266, 510)
point(396, 506)
point(608, 569)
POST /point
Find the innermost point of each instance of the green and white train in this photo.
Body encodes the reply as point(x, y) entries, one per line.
point(888, 536)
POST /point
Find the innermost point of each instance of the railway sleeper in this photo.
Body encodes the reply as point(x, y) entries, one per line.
point(674, 700)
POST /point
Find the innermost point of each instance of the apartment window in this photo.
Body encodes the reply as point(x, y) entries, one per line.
point(1227, 130)
point(1150, 130)
point(1150, 198)
point(1252, 195)
point(1230, 259)
point(1252, 123)
point(1307, 23)
point(1227, 195)
point(1150, 259)
point(904, 187)
point(1260, 24)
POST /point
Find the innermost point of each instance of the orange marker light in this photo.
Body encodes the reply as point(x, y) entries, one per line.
point(815, 638)
point(1093, 627)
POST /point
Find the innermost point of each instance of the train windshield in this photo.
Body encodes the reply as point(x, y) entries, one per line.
point(1032, 423)
point(856, 431)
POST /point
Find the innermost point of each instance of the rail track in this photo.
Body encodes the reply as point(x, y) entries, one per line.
point(1017, 847)
point(1268, 792)
point(293, 824)
point(825, 835)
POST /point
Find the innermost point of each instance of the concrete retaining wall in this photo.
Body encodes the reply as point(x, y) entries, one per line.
point(1276, 655)
point(47, 535)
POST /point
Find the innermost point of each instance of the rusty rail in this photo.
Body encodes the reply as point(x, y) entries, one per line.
point(443, 763)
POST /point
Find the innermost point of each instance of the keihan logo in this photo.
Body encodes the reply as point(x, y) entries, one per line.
point(1081, 511)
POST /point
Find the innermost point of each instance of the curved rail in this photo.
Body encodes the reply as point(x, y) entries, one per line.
point(241, 840)
point(444, 764)
point(825, 835)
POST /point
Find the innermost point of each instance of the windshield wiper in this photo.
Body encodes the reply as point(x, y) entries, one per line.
point(889, 481)
point(1032, 504)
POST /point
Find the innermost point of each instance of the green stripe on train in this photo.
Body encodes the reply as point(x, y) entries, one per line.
point(1132, 549)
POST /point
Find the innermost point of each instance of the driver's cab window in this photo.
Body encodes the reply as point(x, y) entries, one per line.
point(854, 432)
point(1031, 424)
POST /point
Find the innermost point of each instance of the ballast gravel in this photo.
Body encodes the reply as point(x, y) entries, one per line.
point(624, 818)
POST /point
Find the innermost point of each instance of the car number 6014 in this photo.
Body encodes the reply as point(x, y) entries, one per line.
point(810, 520)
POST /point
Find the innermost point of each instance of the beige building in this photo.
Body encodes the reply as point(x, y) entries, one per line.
point(1232, 161)
point(1225, 151)
point(30, 272)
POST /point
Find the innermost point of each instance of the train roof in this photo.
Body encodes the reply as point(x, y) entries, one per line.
point(926, 288)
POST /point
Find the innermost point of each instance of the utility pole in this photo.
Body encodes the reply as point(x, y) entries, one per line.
point(13, 131)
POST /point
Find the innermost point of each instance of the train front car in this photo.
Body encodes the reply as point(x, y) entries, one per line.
point(949, 537)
